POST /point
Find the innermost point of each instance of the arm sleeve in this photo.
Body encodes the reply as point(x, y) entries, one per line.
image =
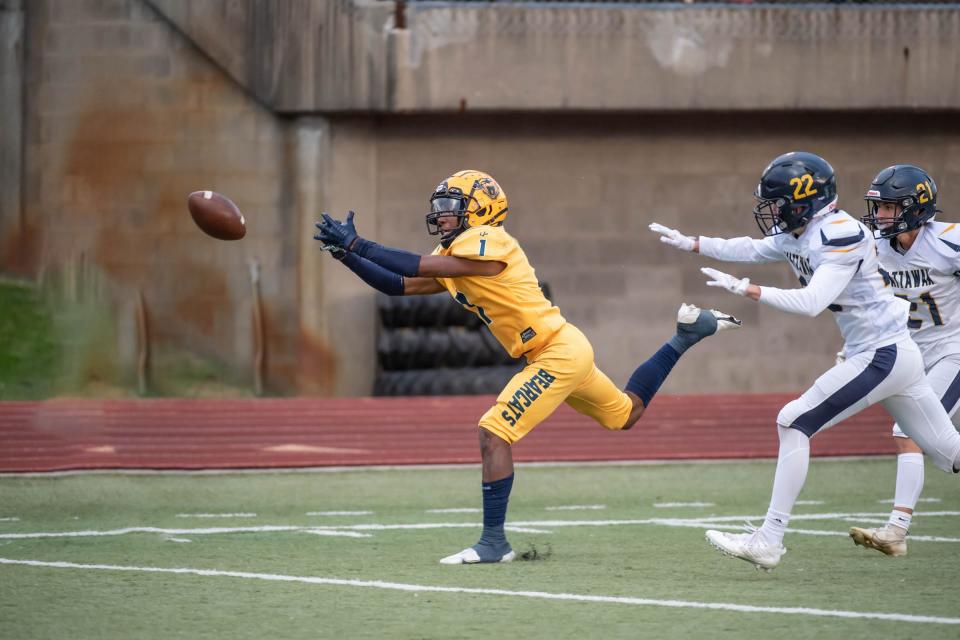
point(740, 249)
point(396, 260)
point(827, 283)
point(389, 282)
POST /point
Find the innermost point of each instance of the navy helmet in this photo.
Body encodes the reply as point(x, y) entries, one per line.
point(911, 189)
point(793, 188)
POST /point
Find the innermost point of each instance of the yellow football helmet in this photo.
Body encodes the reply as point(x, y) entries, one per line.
point(473, 197)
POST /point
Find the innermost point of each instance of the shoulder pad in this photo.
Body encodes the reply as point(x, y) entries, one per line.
point(948, 234)
point(841, 230)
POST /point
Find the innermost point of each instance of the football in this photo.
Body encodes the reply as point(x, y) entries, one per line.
point(216, 215)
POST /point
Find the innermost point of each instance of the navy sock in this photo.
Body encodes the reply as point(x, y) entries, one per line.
point(496, 494)
point(648, 377)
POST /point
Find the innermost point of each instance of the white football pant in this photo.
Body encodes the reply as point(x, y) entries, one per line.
point(892, 375)
point(944, 379)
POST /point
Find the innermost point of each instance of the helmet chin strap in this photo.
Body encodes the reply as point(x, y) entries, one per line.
point(830, 208)
point(446, 239)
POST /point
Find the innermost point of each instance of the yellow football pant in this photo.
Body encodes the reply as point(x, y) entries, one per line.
point(561, 371)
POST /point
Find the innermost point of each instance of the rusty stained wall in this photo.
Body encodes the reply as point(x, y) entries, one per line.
point(125, 118)
point(11, 127)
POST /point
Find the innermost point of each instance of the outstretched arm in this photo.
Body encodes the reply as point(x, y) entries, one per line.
point(731, 250)
point(384, 280)
point(394, 271)
point(828, 282)
point(344, 235)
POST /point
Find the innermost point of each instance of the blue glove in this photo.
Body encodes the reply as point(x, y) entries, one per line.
point(328, 243)
point(342, 234)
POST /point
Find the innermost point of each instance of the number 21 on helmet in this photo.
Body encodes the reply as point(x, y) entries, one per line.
point(912, 192)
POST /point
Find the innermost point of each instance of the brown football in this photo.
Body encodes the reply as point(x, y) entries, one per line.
point(216, 215)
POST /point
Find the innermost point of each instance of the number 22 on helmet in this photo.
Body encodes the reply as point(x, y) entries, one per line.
point(793, 188)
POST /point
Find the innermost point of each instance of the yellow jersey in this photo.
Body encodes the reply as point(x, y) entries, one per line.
point(510, 303)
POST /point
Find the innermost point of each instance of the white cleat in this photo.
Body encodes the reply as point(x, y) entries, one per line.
point(889, 539)
point(705, 323)
point(747, 546)
point(725, 321)
point(470, 556)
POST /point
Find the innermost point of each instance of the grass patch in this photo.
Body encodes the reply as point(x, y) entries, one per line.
point(52, 345)
point(29, 351)
point(615, 551)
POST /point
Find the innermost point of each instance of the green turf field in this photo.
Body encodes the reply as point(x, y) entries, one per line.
point(621, 560)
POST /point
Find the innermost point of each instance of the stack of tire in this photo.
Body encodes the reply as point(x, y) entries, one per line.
point(432, 346)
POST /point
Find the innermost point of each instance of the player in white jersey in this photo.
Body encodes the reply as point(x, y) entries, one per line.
point(835, 258)
point(921, 262)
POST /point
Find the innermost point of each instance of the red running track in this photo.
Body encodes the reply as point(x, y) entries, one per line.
point(222, 434)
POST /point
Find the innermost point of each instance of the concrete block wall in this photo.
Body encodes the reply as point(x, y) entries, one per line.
point(124, 119)
point(370, 55)
point(583, 189)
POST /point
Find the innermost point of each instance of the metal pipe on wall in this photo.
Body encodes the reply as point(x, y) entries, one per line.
point(143, 345)
point(259, 347)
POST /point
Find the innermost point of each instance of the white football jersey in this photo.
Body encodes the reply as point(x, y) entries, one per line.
point(866, 310)
point(927, 277)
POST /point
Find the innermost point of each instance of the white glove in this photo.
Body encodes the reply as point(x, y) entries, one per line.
point(840, 357)
point(731, 283)
point(673, 237)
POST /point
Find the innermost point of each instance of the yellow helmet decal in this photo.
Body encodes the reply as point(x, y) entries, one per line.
point(486, 203)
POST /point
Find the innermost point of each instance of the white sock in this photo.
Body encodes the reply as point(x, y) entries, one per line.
point(900, 519)
point(909, 480)
point(792, 464)
point(909, 486)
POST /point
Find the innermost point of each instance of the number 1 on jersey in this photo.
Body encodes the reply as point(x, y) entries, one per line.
point(483, 247)
point(462, 299)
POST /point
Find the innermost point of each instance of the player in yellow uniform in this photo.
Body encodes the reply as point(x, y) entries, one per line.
point(484, 269)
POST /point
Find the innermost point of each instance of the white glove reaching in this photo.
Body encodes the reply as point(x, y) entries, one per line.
point(673, 237)
point(731, 283)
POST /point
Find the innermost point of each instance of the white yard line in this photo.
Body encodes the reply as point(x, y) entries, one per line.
point(880, 521)
point(413, 467)
point(524, 529)
point(456, 510)
point(827, 516)
point(216, 515)
point(535, 595)
point(674, 505)
point(339, 513)
point(714, 522)
point(9, 519)
point(813, 502)
point(160, 530)
point(344, 534)
point(577, 507)
point(918, 500)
